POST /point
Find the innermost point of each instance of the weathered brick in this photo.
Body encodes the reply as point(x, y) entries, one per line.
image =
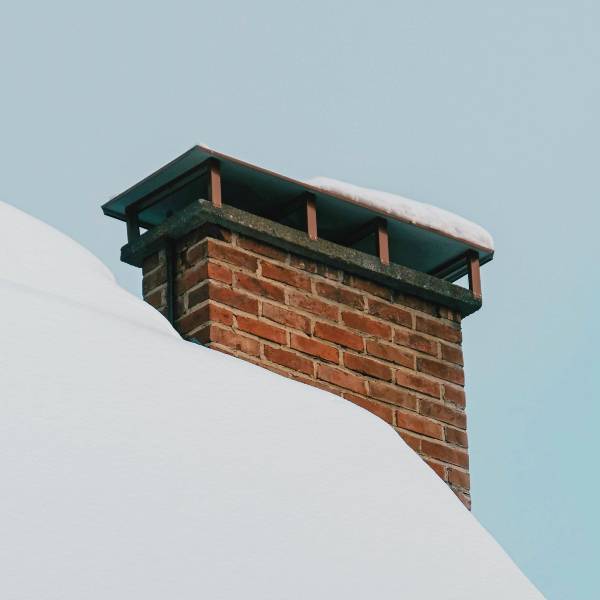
point(441, 370)
point(369, 286)
point(314, 348)
point(261, 248)
point(381, 410)
point(452, 354)
point(454, 456)
point(392, 394)
point(457, 436)
point(389, 312)
point(204, 314)
point(313, 305)
point(338, 335)
point(234, 340)
point(367, 324)
point(259, 287)
point(368, 366)
point(419, 424)
point(229, 254)
point(443, 412)
point(445, 331)
point(261, 329)
point(285, 275)
point(342, 379)
point(156, 298)
point(305, 264)
point(404, 337)
point(391, 353)
point(411, 440)
point(289, 359)
point(418, 383)
point(438, 468)
point(340, 294)
point(459, 478)
point(415, 303)
point(455, 395)
point(154, 279)
point(286, 317)
point(234, 298)
point(199, 295)
point(202, 271)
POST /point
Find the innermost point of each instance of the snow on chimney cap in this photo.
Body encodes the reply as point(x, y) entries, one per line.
point(416, 235)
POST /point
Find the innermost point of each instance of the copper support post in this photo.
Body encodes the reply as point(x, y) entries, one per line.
point(311, 217)
point(474, 274)
point(214, 185)
point(383, 242)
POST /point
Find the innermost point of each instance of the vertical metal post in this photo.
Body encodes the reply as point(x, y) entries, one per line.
point(170, 258)
point(214, 183)
point(133, 226)
point(474, 273)
point(383, 242)
point(311, 216)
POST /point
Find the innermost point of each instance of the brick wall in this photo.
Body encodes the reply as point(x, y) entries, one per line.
point(395, 355)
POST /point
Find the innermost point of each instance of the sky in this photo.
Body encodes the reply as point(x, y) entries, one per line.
point(485, 109)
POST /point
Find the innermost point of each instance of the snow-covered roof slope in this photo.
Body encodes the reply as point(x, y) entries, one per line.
point(136, 465)
point(411, 211)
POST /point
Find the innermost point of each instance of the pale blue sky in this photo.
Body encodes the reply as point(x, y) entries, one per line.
point(486, 109)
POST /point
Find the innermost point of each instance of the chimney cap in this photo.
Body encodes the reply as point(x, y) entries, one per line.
point(422, 237)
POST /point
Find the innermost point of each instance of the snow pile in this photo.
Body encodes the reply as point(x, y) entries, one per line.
point(411, 211)
point(135, 465)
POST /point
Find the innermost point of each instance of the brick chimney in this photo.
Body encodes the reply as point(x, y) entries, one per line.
point(314, 285)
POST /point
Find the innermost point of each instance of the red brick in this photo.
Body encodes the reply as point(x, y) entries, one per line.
point(441, 370)
point(404, 337)
point(411, 440)
point(464, 497)
point(289, 359)
point(457, 436)
point(234, 298)
point(199, 295)
point(452, 354)
point(454, 456)
point(367, 325)
point(392, 394)
point(314, 305)
point(418, 383)
point(261, 248)
point(260, 287)
point(195, 254)
point(209, 312)
point(419, 424)
point(382, 411)
point(202, 271)
point(154, 279)
point(341, 378)
point(340, 294)
point(443, 412)
point(231, 255)
point(338, 335)
point(391, 353)
point(286, 317)
point(389, 312)
point(315, 348)
point(437, 328)
point(459, 478)
point(367, 366)
point(454, 395)
point(156, 298)
point(438, 468)
point(329, 272)
point(370, 287)
point(261, 329)
point(285, 275)
point(235, 341)
point(416, 303)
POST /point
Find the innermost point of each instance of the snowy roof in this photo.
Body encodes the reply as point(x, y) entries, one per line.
point(421, 236)
point(137, 465)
